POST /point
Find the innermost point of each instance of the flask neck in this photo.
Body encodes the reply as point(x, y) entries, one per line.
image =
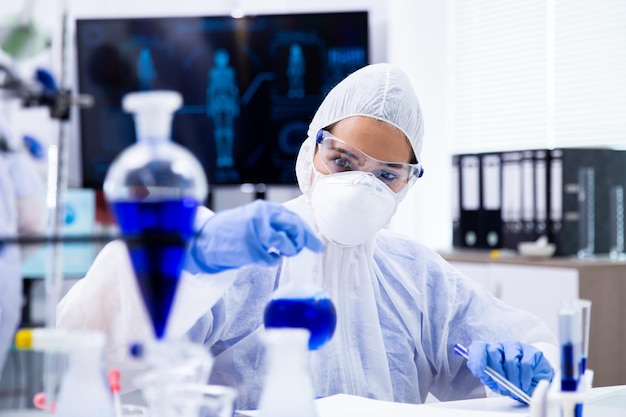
point(153, 127)
point(286, 361)
point(86, 359)
point(288, 352)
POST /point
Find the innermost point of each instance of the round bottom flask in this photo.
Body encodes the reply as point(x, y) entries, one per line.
point(300, 303)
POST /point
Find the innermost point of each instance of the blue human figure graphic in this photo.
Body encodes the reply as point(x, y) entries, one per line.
point(222, 106)
point(295, 71)
point(145, 69)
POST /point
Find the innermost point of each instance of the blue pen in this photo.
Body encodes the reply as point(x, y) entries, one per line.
point(500, 380)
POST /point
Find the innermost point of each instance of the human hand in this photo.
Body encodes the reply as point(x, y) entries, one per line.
point(520, 363)
point(256, 233)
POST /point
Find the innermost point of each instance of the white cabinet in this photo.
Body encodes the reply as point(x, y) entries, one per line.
point(537, 289)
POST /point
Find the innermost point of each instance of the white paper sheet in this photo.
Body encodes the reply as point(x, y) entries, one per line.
point(342, 405)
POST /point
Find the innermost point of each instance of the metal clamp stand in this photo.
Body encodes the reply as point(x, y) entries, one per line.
point(58, 100)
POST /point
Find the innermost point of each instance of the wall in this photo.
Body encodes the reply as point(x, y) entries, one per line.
point(409, 33)
point(416, 40)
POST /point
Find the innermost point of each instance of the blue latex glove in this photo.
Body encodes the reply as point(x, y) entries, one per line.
point(46, 79)
point(34, 147)
point(256, 233)
point(522, 364)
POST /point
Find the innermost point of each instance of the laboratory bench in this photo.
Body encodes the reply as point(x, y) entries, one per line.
point(542, 285)
point(600, 402)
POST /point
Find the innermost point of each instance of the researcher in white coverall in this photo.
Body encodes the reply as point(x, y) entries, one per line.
point(22, 212)
point(401, 308)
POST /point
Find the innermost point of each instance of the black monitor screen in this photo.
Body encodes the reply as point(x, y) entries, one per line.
point(250, 85)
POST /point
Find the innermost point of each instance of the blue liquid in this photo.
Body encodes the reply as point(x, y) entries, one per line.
point(318, 315)
point(569, 368)
point(157, 234)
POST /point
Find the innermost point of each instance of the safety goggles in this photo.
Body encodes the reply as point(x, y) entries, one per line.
point(339, 156)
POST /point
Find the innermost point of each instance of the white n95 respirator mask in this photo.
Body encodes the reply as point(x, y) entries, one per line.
point(350, 207)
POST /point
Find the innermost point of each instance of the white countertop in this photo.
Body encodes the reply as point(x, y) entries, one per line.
point(603, 402)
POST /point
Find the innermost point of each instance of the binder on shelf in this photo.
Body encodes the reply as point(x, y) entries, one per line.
point(528, 196)
point(511, 199)
point(541, 193)
point(555, 197)
point(470, 182)
point(491, 210)
point(470, 200)
point(455, 200)
point(534, 193)
point(480, 195)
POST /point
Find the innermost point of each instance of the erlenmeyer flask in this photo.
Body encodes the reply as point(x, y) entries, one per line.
point(154, 188)
point(287, 389)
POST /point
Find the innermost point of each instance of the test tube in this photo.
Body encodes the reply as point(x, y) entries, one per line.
point(570, 341)
point(586, 211)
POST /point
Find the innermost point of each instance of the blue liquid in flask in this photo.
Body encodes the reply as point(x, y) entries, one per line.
point(157, 233)
point(316, 314)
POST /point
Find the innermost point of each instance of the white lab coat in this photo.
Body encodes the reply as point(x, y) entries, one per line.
point(23, 211)
point(400, 309)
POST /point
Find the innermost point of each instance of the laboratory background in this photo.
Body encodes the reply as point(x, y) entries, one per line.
point(524, 153)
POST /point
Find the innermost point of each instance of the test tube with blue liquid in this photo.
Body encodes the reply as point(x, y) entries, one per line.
point(154, 188)
point(574, 324)
point(570, 341)
point(300, 303)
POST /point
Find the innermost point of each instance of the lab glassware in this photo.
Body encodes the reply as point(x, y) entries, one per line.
point(572, 336)
point(570, 340)
point(84, 390)
point(170, 363)
point(300, 303)
point(196, 400)
point(585, 311)
point(132, 410)
point(616, 207)
point(154, 188)
point(586, 212)
point(288, 389)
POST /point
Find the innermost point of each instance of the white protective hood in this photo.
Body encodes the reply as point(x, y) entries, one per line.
point(379, 91)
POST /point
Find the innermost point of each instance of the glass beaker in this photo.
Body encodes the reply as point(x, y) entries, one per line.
point(132, 410)
point(586, 212)
point(195, 400)
point(616, 225)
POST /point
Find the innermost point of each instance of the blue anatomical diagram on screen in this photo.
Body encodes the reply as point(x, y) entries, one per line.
point(145, 70)
point(222, 107)
point(295, 71)
point(250, 86)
